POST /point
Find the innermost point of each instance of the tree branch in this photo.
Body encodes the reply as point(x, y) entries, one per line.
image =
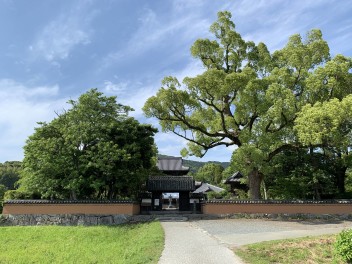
point(206, 147)
point(280, 149)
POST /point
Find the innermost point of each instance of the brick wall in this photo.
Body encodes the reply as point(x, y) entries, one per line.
point(221, 207)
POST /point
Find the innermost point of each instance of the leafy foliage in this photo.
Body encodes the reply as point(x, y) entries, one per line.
point(210, 173)
point(93, 150)
point(10, 173)
point(21, 194)
point(2, 193)
point(251, 98)
point(343, 245)
point(300, 175)
point(327, 123)
point(221, 195)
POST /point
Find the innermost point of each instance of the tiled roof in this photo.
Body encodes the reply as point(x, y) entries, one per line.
point(206, 187)
point(236, 177)
point(68, 201)
point(170, 183)
point(281, 201)
point(171, 164)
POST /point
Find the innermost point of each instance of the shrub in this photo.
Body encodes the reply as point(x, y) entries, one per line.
point(221, 195)
point(17, 195)
point(343, 245)
point(2, 193)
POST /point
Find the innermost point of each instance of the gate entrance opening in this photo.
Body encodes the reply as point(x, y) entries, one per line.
point(170, 201)
point(182, 185)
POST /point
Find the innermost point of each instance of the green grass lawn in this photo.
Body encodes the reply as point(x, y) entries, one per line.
point(319, 250)
point(137, 243)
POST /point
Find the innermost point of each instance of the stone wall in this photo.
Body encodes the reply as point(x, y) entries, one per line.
point(52, 207)
point(70, 220)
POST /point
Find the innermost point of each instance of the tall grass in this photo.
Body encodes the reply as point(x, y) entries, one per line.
point(138, 243)
point(312, 250)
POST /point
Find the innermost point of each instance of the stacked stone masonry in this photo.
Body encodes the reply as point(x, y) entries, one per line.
point(72, 220)
point(43, 207)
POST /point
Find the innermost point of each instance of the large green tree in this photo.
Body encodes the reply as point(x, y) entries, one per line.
point(9, 173)
point(326, 127)
point(93, 150)
point(301, 174)
point(2, 193)
point(247, 96)
point(210, 173)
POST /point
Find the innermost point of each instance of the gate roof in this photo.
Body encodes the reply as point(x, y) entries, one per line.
point(170, 183)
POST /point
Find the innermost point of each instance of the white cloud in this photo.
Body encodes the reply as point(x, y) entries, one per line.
point(118, 88)
point(169, 143)
point(21, 108)
point(184, 5)
point(274, 23)
point(137, 100)
point(153, 30)
point(20, 91)
point(192, 69)
point(133, 94)
point(57, 40)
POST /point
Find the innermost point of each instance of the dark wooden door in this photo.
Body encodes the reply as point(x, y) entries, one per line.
point(184, 201)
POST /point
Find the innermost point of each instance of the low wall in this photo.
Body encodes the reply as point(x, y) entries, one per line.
point(48, 207)
point(221, 207)
point(47, 212)
point(71, 220)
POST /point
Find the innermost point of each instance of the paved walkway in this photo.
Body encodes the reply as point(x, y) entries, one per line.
point(210, 241)
point(185, 244)
point(238, 232)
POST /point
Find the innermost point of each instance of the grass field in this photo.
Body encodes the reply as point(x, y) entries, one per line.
point(309, 250)
point(137, 243)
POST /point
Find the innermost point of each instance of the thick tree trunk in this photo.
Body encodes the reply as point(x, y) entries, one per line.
point(340, 179)
point(73, 195)
point(111, 191)
point(255, 180)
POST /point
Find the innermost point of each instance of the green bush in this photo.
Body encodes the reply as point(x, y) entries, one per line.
point(343, 245)
point(2, 193)
point(18, 195)
point(221, 195)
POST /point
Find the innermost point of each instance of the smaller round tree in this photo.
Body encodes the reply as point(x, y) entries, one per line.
point(91, 151)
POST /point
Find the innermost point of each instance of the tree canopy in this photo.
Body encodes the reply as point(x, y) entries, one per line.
point(250, 97)
point(10, 173)
point(210, 173)
point(93, 150)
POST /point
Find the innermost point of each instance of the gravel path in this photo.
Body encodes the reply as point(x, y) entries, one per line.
point(187, 244)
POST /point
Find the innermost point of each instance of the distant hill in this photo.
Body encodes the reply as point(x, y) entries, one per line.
point(195, 165)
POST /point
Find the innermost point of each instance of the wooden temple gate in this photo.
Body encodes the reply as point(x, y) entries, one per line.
point(172, 179)
point(158, 185)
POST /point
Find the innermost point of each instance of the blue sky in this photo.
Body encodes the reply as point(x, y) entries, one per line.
point(55, 50)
